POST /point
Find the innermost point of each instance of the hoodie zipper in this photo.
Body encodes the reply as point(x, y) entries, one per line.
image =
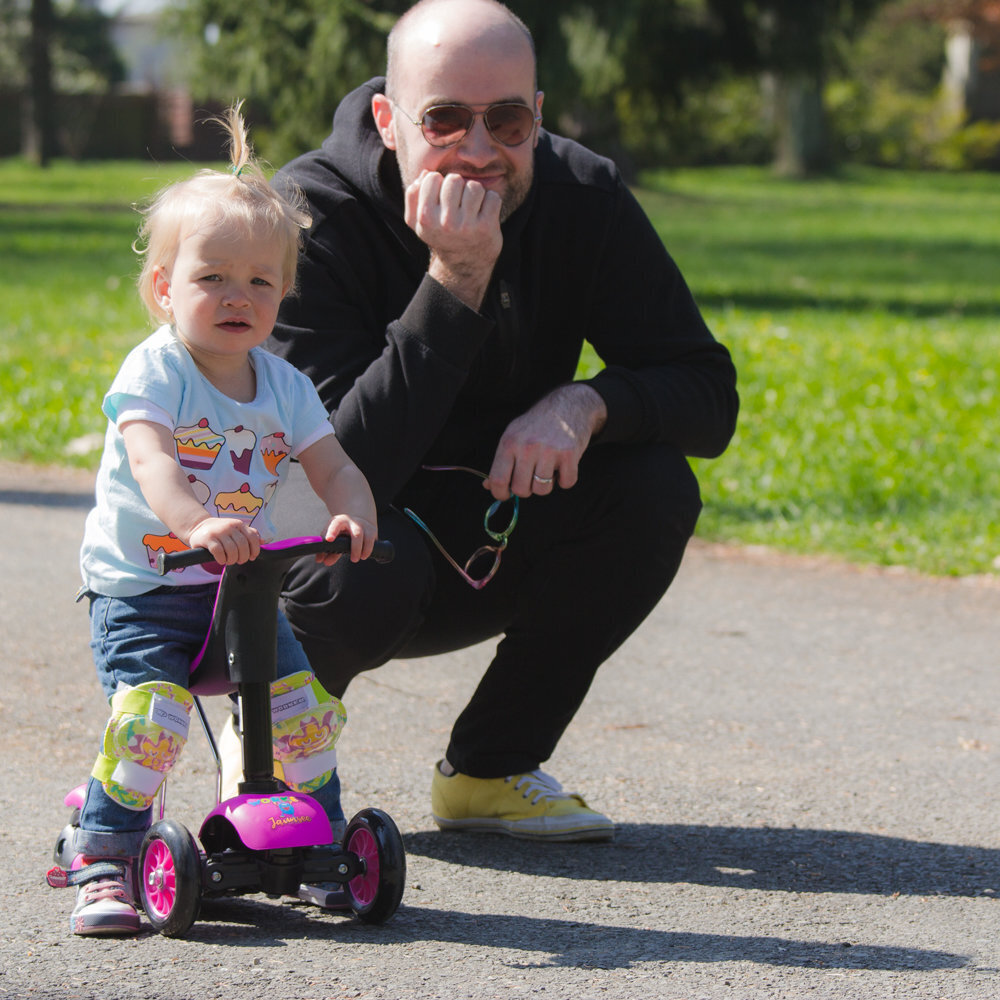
point(507, 318)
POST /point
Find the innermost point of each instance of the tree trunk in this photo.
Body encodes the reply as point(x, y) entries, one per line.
point(802, 144)
point(39, 135)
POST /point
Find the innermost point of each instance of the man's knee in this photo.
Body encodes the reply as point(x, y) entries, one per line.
point(657, 497)
point(655, 488)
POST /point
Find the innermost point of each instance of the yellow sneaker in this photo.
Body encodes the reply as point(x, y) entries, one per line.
point(532, 806)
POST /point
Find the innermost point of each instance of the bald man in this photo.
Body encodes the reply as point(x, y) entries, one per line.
point(459, 257)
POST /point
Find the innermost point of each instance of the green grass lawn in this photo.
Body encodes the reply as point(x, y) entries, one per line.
point(861, 312)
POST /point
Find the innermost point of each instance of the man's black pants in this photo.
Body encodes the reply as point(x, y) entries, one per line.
point(583, 568)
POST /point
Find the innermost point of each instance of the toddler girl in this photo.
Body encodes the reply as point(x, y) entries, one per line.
point(202, 425)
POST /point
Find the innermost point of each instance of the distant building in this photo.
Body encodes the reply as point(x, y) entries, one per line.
point(150, 114)
point(156, 67)
point(153, 61)
point(972, 69)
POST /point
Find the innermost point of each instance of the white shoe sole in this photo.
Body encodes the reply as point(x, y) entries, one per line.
point(541, 828)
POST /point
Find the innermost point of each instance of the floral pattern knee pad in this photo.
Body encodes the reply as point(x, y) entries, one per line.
point(305, 723)
point(142, 741)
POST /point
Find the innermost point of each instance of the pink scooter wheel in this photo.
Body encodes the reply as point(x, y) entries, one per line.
point(170, 878)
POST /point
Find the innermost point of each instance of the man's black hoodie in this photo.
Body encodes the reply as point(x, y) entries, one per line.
point(412, 375)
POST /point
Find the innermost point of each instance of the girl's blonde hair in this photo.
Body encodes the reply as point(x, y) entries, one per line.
point(241, 198)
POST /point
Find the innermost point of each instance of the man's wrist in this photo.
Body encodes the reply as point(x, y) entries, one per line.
point(468, 285)
point(592, 403)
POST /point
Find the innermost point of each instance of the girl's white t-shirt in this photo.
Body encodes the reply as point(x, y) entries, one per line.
point(235, 456)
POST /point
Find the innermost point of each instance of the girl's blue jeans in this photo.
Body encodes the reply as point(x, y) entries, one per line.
point(154, 637)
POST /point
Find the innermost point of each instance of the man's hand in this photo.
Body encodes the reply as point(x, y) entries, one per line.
point(459, 220)
point(542, 448)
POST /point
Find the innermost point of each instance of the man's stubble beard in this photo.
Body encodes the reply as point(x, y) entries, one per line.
point(518, 184)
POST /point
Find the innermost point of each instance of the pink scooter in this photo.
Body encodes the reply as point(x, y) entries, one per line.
point(267, 838)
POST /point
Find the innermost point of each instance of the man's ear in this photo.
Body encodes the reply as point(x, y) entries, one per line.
point(382, 113)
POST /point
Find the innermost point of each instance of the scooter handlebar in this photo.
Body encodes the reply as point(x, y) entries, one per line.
point(382, 552)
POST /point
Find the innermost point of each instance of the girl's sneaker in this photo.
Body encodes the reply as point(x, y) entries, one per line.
point(104, 900)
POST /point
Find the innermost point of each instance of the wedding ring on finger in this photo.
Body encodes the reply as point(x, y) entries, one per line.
point(542, 479)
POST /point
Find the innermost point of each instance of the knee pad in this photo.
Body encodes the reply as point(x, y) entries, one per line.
point(305, 723)
point(143, 739)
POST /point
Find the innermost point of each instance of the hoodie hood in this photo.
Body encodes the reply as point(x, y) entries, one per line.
point(356, 147)
point(353, 165)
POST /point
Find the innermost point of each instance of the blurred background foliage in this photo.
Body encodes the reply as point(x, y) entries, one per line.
point(806, 85)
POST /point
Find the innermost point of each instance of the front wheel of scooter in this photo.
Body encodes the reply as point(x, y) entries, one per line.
point(170, 878)
point(375, 895)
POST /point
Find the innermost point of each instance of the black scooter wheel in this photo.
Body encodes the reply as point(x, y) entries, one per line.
point(375, 895)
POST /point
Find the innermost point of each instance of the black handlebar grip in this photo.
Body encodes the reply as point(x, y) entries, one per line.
point(166, 561)
point(382, 552)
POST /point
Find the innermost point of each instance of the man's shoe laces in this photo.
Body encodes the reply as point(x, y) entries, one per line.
point(539, 785)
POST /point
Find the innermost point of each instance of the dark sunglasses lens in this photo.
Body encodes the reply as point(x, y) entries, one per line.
point(447, 124)
point(510, 123)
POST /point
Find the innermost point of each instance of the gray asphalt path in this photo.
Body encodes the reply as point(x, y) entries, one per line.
point(803, 759)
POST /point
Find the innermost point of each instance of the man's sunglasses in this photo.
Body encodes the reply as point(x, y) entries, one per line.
point(448, 124)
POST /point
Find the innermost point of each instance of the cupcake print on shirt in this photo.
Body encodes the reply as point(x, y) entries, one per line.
point(200, 489)
point(240, 443)
point(273, 449)
point(198, 447)
point(240, 503)
point(155, 544)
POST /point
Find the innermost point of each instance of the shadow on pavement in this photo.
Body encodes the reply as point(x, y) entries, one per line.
point(790, 860)
point(254, 923)
point(577, 944)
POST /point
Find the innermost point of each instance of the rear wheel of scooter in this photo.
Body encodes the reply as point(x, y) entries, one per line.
point(63, 853)
point(170, 878)
point(375, 839)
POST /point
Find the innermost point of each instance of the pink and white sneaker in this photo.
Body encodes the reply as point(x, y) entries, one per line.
point(104, 901)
